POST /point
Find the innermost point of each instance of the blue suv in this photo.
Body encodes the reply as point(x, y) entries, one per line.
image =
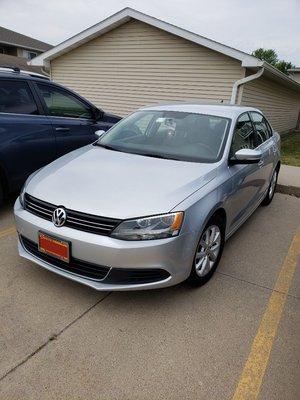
point(39, 122)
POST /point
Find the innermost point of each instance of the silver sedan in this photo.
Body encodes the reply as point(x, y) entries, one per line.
point(152, 202)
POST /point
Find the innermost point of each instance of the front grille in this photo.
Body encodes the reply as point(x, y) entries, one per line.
point(75, 266)
point(118, 276)
point(75, 219)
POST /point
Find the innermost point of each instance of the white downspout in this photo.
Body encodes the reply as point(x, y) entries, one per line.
point(45, 72)
point(242, 81)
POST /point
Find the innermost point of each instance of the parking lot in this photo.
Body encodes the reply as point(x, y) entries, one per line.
point(61, 340)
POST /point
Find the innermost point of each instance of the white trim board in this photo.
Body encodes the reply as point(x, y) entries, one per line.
point(126, 14)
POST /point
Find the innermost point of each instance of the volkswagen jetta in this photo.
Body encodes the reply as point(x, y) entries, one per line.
point(152, 202)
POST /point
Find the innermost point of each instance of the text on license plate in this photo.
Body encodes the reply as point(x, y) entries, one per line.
point(54, 247)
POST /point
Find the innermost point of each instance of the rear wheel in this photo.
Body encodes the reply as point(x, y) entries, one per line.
point(271, 189)
point(208, 253)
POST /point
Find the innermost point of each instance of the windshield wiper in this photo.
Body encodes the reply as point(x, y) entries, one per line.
point(157, 156)
point(106, 146)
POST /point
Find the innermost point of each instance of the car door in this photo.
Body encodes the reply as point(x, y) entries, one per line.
point(264, 143)
point(72, 120)
point(27, 142)
point(246, 179)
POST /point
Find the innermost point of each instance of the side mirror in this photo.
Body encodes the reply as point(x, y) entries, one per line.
point(99, 133)
point(97, 114)
point(246, 156)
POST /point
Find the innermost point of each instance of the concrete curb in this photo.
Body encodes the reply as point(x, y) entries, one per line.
point(291, 190)
point(289, 180)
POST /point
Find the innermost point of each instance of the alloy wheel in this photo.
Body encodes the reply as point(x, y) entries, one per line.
point(208, 250)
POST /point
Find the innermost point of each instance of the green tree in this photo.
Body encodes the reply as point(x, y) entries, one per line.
point(283, 66)
point(270, 56)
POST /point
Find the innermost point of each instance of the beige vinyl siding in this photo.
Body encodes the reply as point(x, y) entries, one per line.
point(137, 64)
point(295, 76)
point(280, 104)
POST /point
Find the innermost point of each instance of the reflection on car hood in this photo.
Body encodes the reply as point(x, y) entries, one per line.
point(118, 185)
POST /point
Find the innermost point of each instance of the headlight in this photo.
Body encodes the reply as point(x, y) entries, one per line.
point(157, 227)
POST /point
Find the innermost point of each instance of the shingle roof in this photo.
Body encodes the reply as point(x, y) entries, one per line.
point(14, 38)
point(20, 62)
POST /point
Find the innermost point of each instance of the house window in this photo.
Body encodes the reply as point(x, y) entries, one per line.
point(29, 54)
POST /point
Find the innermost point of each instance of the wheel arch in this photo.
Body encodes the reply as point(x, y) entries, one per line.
point(218, 211)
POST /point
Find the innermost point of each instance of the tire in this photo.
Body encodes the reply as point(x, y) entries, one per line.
point(1, 194)
point(201, 272)
point(271, 189)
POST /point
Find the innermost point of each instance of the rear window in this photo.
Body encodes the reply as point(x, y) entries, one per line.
point(16, 98)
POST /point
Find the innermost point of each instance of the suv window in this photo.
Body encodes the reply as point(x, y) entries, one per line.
point(63, 104)
point(263, 130)
point(243, 137)
point(16, 98)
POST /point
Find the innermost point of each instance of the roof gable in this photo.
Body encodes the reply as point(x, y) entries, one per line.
point(126, 15)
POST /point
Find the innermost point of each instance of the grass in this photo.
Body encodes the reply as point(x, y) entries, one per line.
point(290, 148)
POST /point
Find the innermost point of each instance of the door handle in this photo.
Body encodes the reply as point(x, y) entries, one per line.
point(261, 163)
point(62, 129)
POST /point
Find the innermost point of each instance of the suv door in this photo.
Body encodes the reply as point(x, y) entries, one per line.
point(246, 179)
point(27, 141)
point(72, 119)
point(264, 143)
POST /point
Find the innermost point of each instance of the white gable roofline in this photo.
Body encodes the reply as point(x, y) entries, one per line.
point(126, 15)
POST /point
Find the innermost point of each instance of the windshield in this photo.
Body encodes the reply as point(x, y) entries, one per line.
point(169, 134)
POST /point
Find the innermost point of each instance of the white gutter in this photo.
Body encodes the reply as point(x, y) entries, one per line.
point(242, 81)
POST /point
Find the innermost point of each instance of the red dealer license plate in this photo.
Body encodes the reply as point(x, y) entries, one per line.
point(54, 247)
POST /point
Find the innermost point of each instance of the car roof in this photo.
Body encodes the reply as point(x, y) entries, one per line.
point(221, 110)
point(6, 72)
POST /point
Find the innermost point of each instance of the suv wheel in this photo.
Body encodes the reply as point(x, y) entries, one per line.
point(208, 253)
point(1, 194)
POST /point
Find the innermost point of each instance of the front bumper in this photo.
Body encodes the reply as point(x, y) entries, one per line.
point(173, 255)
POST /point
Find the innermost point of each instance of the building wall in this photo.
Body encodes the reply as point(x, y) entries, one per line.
point(280, 104)
point(295, 76)
point(137, 64)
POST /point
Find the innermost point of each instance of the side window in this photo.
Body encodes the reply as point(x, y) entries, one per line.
point(243, 137)
point(16, 98)
point(263, 130)
point(63, 104)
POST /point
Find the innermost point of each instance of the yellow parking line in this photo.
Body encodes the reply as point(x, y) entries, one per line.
point(7, 232)
point(250, 381)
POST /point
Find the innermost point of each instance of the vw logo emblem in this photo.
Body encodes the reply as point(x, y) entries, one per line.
point(59, 216)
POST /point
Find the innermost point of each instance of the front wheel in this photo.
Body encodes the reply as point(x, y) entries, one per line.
point(208, 253)
point(271, 189)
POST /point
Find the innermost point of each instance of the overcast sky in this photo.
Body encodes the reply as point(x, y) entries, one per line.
point(243, 24)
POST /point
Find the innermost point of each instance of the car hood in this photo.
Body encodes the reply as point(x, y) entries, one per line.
point(118, 185)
